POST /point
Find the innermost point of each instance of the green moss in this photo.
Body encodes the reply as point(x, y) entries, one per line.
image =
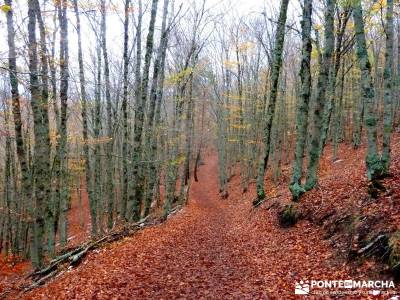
point(260, 194)
point(288, 216)
point(375, 166)
point(371, 121)
point(310, 183)
point(297, 190)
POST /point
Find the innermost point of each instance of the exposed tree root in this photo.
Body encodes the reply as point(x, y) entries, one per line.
point(257, 202)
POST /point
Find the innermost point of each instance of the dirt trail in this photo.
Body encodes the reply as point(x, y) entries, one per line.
point(197, 253)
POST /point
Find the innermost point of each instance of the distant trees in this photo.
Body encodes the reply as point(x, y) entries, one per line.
point(180, 152)
point(85, 118)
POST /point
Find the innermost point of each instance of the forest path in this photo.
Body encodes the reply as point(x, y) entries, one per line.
point(200, 252)
point(224, 249)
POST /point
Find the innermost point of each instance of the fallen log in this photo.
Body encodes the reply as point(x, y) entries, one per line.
point(257, 202)
point(175, 210)
point(378, 245)
point(41, 281)
point(53, 263)
point(75, 256)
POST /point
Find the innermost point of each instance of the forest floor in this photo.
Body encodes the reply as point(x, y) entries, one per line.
point(215, 248)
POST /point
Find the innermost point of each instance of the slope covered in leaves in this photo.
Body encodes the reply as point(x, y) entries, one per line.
point(216, 248)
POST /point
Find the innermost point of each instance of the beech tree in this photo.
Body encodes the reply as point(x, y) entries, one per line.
point(302, 104)
point(125, 174)
point(374, 167)
point(41, 163)
point(322, 82)
point(276, 67)
point(16, 110)
point(137, 193)
point(388, 88)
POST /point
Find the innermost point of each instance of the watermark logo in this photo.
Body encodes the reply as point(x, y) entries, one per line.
point(302, 288)
point(343, 287)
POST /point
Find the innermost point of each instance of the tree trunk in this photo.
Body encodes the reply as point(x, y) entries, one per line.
point(62, 145)
point(16, 109)
point(153, 121)
point(51, 210)
point(327, 110)
point(388, 88)
point(323, 81)
point(125, 173)
point(135, 202)
point(94, 207)
point(276, 67)
point(302, 105)
point(42, 139)
point(374, 166)
point(110, 144)
point(396, 112)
